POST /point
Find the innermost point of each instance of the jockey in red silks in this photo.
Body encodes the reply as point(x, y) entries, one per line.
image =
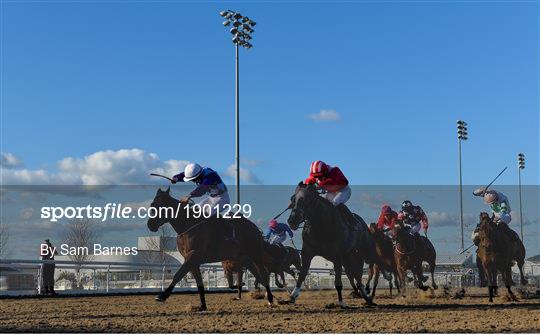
point(331, 180)
point(335, 186)
point(387, 220)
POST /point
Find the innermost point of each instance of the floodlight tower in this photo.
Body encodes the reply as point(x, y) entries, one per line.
point(242, 28)
point(462, 136)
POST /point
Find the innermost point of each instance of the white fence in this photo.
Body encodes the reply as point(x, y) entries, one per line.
point(22, 277)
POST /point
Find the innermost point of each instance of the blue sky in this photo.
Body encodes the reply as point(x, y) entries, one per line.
point(82, 77)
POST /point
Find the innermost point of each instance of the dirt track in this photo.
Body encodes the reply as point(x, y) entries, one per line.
point(423, 313)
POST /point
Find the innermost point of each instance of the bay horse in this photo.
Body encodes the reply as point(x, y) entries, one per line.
point(325, 233)
point(202, 241)
point(518, 252)
point(407, 257)
point(278, 259)
point(496, 255)
point(385, 252)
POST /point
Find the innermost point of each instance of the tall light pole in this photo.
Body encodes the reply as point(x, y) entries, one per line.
point(242, 28)
point(521, 166)
point(462, 136)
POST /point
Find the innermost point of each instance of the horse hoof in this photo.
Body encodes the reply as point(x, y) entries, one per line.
point(160, 298)
point(435, 286)
point(236, 299)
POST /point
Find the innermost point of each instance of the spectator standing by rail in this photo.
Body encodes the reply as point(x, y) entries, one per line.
point(47, 269)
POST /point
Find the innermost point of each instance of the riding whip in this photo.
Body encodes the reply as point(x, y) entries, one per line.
point(162, 176)
point(275, 217)
point(467, 248)
point(486, 188)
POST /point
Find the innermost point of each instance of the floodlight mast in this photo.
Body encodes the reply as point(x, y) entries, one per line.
point(242, 28)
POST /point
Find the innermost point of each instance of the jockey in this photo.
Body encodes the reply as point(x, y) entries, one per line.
point(277, 232)
point(387, 220)
point(500, 207)
point(413, 217)
point(331, 180)
point(209, 185)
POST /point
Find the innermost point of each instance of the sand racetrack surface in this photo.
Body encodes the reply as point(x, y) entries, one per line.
point(312, 313)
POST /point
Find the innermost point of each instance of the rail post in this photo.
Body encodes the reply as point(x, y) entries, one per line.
point(163, 279)
point(107, 278)
point(140, 278)
point(94, 280)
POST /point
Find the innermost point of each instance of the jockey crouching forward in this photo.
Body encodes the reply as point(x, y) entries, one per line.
point(209, 186)
point(413, 217)
point(500, 207)
point(387, 220)
point(335, 185)
point(277, 232)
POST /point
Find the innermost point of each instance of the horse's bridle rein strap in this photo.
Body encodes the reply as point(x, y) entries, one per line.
point(401, 252)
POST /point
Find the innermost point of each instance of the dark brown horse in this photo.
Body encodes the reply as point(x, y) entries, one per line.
point(518, 251)
point(278, 259)
point(407, 257)
point(327, 233)
point(203, 241)
point(387, 264)
point(495, 250)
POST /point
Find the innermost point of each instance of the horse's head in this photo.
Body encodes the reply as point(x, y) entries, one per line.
point(302, 199)
point(400, 230)
point(486, 230)
point(163, 199)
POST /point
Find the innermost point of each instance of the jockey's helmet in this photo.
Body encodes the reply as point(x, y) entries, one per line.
point(192, 171)
point(490, 197)
point(406, 204)
point(318, 169)
point(273, 224)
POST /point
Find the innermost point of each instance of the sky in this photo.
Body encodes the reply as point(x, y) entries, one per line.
point(375, 88)
point(96, 92)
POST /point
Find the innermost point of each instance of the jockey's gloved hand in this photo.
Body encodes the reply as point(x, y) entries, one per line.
point(173, 180)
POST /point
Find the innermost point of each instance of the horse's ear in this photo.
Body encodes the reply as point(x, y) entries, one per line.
point(301, 183)
point(168, 190)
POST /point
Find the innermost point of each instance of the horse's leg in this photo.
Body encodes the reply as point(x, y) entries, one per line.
point(402, 276)
point(355, 264)
point(420, 276)
point(523, 280)
point(338, 284)
point(239, 278)
point(375, 280)
point(196, 272)
point(263, 277)
point(306, 263)
point(370, 276)
point(492, 281)
point(432, 270)
point(188, 265)
point(508, 282)
point(350, 276)
point(481, 272)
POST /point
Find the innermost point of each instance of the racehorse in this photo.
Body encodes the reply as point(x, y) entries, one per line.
point(496, 254)
point(518, 251)
point(327, 234)
point(278, 259)
point(203, 241)
point(385, 252)
point(407, 257)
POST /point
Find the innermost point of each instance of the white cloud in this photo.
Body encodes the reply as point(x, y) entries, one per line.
point(441, 219)
point(120, 167)
point(8, 160)
point(325, 115)
point(246, 175)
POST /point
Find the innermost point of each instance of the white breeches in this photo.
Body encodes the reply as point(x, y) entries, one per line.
point(213, 202)
point(503, 217)
point(275, 239)
point(340, 197)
